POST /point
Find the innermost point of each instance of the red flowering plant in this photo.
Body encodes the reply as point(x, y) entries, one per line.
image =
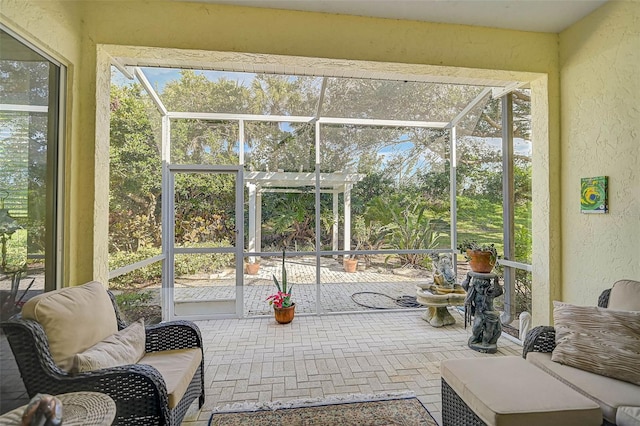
point(281, 299)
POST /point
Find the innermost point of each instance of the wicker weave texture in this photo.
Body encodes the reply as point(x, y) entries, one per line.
point(139, 391)
point(539, 339)
point(454, 410)
point(603, 300)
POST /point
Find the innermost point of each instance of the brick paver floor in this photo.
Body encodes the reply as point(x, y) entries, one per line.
point(319, 356)
point(337, 286)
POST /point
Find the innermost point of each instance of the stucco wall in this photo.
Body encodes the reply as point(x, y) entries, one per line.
point(600, 106)
point(226, 28)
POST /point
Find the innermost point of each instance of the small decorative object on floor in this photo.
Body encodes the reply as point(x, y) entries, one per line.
point(481, 290)
point(350, 265)
point(437, 298)
point(252, 268)
point(481, 257)
point(43, 410)
point(283, 307)
point(525, 325)
point(67, 409)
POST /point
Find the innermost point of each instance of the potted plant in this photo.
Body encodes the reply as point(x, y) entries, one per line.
point(481, 257)
point(350, 263)
point(252, 267)
point(283, 307)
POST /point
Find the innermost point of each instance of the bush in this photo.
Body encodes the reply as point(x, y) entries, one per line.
point(139, 277)
point(134, 305)
point(185, 264)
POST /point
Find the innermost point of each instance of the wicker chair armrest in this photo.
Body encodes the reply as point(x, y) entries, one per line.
point(173, 335)
point(603, 300)
point(539, 339)
point(29, 343)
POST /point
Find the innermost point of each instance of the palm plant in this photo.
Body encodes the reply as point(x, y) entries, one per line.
point(411, 229)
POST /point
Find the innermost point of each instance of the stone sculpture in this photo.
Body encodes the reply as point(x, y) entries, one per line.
point(486, 328)
point(443, 275)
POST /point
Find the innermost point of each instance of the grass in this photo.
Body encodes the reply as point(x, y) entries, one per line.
point(480, 220)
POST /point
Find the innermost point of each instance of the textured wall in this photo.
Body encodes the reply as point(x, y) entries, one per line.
point(600, 92)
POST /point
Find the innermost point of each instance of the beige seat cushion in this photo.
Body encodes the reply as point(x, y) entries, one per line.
point(625, 296)
point(124, 347)
point(607, 392)
point(600, 340)
point(74, 319)
point(508, 391)
point(628, 416)
point(177, 368)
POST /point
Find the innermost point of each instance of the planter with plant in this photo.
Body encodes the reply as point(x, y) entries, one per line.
point(482, 257)
point(283, 307)
point(252, 267)
point(350, 264)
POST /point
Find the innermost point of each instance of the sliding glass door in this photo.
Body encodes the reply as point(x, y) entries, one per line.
point(30, 129)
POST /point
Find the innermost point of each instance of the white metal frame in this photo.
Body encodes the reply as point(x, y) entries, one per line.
point(317, 120)
point(168, 203)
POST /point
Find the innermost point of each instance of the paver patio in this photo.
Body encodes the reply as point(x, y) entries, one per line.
point(256, 359)
point(319, 356)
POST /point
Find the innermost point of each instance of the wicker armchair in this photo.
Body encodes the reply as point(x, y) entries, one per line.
point(139, 391)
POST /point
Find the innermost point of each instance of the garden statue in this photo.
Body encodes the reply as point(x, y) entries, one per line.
point(444, 274)
point(482, 288)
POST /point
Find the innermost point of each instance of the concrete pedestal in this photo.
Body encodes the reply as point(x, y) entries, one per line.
point(437, 299)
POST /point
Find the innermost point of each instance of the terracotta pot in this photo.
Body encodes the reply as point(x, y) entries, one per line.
point(350, 265)
point(284, 315)
point(481, 261)
point(252, 268)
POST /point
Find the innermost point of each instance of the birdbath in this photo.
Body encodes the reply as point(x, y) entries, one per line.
point(437, 299)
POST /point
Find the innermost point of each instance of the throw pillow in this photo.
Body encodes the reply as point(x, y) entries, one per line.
point(602, 341)
point(122, 348)
point(73, 318)
point(625, 296)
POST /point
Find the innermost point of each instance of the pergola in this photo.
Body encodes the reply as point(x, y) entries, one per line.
point(332, 183)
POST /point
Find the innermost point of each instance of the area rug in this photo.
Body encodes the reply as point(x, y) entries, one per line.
point(370, 410)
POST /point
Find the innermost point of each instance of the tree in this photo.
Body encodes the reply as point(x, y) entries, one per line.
point(135, 172)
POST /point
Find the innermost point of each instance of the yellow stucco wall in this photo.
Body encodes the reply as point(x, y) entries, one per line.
point(600, 92)
point(226, 28)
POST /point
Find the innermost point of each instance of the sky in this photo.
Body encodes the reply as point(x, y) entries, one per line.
point(158, 77)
